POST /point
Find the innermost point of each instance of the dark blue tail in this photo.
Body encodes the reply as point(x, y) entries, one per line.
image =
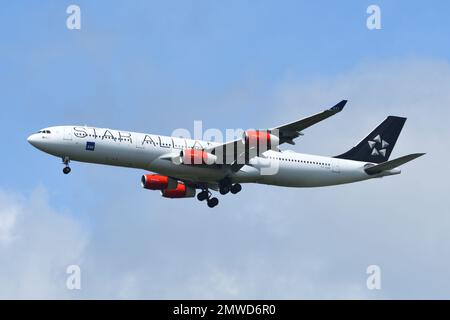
point(378, 145)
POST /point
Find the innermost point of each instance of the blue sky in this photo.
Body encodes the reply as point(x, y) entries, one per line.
point(156, 66)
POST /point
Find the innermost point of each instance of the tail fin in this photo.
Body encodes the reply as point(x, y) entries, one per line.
point(378, 145)
point(389, 165)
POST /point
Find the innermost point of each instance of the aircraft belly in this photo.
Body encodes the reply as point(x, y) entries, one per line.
point(303, 177)
point(247, 174)
point(294, 176)
point(188, 172)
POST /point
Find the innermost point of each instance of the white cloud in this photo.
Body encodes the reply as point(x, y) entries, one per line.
point(8, 218)
point(38, 243)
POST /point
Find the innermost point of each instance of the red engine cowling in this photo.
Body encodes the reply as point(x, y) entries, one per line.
point(181, 191)
point(193, 156)
point(262, 140)
point(157, 182)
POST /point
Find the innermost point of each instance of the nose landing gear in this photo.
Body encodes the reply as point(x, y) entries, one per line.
point(66, 169)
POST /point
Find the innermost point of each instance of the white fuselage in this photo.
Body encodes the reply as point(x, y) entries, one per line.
point(149, 152)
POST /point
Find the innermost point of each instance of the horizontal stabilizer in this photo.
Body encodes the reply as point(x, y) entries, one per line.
point(389, 165)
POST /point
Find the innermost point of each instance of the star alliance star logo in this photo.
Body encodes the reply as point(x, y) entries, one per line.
point(381, 143)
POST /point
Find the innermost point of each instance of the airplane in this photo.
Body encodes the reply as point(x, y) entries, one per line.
point(182, 166)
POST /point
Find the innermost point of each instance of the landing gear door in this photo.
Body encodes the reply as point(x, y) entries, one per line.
point(68, 133)
point(335, 166)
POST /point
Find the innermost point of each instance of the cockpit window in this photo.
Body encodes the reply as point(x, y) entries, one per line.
point(44, 131)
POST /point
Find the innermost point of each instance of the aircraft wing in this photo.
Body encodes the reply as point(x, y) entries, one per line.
point(286, 133)
point(292, 130)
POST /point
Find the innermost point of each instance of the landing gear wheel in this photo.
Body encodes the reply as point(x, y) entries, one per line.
point(235, 188)
point(66, 161)
point(224, 189)
point(213, 202)
point(203, 195)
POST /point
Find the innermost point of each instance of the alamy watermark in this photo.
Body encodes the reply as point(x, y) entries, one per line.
point(373, 281)
point(373, 22)
point(73, 21)
point(73, 281)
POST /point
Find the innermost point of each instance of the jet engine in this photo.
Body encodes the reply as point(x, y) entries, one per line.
point(158, 182)
point(181, 191)
point(261, 140)
point(193, 156)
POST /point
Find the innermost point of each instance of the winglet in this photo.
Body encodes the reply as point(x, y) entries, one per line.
point(339, 107)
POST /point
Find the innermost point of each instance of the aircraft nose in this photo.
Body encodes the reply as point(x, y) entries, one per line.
point(32, 140)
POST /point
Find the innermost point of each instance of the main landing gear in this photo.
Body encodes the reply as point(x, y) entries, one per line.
point(224, 188)
point(66, 169)
point(206, 195)
point(236, 188)
point(228, 187)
